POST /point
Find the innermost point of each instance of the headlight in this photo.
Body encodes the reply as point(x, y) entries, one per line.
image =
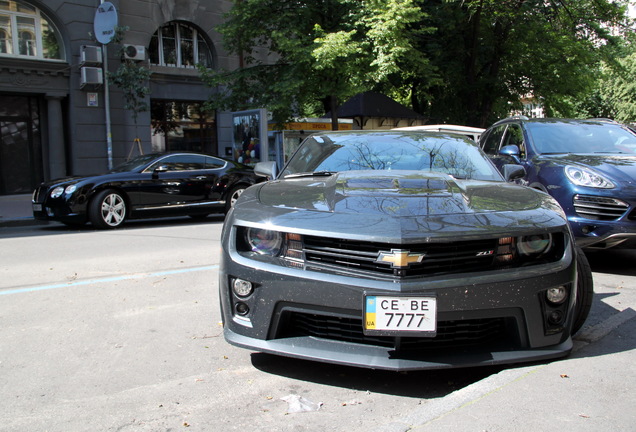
point(587, 177)
point(57, 192)
point(533, 245)
point(264, 242)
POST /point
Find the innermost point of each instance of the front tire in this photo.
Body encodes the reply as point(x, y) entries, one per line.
point(584, 291)
point(107, 209)
point(234, 195)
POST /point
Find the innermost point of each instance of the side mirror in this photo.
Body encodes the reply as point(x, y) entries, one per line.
point(511, 151)
point(159, 169)
point(513, 172)
point(266, 169)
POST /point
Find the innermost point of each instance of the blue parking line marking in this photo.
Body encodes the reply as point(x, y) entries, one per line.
point(104, 280)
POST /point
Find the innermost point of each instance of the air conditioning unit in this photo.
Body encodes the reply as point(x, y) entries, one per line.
point(92, 76)
point(90, 55)
point(135, 52)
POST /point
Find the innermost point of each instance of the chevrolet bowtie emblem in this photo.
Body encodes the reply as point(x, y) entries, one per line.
point(399, 258)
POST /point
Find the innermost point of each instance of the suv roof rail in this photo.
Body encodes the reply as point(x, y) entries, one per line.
point(602, 119)
point(516, 117)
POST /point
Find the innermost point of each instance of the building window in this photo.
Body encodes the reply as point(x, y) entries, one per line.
point(177, 44)
point(26, 32)
point(183, 126)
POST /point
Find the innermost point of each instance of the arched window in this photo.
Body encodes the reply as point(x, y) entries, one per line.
point(26, 32)
point(178, 44)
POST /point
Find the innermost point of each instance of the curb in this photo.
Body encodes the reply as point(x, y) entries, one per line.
point(20, 222)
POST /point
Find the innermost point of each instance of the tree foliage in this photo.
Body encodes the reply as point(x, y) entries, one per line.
point(617, 88)
point(491, 54)
point(131, 78)
point(324, 52)
point(457, 61)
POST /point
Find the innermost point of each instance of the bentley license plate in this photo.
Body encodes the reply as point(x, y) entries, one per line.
point(395, 314)
point(37, 207)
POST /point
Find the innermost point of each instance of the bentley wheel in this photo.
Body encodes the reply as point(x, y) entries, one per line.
point(234, 195)
point(107, 209)
point(584, 291)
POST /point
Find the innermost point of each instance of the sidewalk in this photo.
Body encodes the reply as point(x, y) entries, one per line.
point(15, 210)
point(592, 390)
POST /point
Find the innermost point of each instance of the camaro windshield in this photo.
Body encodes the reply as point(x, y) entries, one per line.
point(442, 153)
point(555, 138)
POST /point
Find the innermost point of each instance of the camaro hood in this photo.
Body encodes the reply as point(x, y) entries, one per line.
point(397, 193)
point(618, 167)
point(396, 205)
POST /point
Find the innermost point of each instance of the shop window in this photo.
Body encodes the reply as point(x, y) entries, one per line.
point(177, 44)
point(183, 126)
point(26, 32)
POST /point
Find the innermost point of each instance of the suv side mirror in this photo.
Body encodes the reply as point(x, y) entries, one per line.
point(511, 151)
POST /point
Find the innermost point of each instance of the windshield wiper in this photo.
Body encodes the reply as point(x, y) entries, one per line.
point(311, 174)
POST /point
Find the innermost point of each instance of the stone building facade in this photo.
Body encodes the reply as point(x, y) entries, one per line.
point(55, 116)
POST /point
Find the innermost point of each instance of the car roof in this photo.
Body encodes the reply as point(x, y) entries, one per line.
point(524, 119)
point(442, 128)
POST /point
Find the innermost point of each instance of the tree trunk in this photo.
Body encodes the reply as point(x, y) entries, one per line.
point(333, 108)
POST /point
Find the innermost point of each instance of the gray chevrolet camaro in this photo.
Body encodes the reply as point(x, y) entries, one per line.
point(401, 251)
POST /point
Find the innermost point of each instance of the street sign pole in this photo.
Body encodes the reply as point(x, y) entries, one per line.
point(104, 26)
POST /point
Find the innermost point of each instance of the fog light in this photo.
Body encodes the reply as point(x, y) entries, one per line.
point(242, 288)
point(242, 308)
point(556, 295)
point(555, 317)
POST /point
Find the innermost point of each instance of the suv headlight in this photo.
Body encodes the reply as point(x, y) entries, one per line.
point(587, 177)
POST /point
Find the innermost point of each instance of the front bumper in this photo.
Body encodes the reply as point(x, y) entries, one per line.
point(59, 209)
point(483, 318)
point(597, 234)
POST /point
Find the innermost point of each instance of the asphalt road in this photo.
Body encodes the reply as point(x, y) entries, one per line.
point(120, 331)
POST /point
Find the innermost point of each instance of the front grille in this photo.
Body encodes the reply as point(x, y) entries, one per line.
point(438, 258)
point(38, 195)
point(599, 208)
point(487, 332)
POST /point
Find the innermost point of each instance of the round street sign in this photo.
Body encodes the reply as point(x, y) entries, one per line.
point(105, 22)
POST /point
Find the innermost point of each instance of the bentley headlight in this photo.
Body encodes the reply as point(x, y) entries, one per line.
point(70, 189)
point(587, 177)
point(534, 245)
point(264, 242)
point(57, 192)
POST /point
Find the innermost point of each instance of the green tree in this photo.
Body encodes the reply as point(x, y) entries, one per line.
point(490, 54)
point(618, 88)
point(325, 51)
point(131, 78)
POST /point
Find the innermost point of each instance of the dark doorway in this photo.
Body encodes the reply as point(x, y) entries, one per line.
point(20, 148)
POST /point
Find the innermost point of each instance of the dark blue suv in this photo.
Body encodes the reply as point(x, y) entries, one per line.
point(588, 166)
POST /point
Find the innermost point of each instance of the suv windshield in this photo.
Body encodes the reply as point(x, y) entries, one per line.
point(581, 137)
point(391, 150)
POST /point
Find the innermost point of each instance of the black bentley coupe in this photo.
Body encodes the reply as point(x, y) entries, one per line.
point(151, 185)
